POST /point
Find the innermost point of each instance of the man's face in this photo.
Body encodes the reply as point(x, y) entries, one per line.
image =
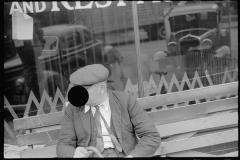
point(95, 91)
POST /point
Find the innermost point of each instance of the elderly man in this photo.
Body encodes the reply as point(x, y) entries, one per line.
point(111, 121)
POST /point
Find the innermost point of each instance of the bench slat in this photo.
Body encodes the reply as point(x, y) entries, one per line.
point(198, 142)
point(46, 152)
point(231, 154)
point(191, 153)
point(47, 128)
point(188, 95)
point(164, 116)
point(198, 124)
point(180, 136)
point(38, 137)
point(38, 121)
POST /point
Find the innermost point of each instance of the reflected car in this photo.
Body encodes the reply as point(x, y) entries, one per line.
point(66, 41)
point(67, 48)
point(194, 37)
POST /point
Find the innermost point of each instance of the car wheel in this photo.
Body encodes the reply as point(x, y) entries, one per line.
point(161, 32)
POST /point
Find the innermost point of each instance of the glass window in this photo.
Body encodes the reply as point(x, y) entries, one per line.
point(198, 20)
point(78, 37)
point(195, 38)
point(87, 36)
point(72, 40)
point(51, 43)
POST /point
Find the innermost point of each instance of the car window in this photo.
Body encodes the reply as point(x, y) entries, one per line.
point(50, 44)
point(71, 40)
point(87, 36)
point(206, 20)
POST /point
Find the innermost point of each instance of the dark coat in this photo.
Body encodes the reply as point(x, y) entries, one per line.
point(128, 119)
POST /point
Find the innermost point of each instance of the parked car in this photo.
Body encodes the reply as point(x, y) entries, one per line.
point(67, 48)
point(193, 35)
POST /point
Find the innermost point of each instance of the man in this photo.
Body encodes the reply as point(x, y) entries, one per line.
point(113, 61)
point(121, 120)
point(111, 55)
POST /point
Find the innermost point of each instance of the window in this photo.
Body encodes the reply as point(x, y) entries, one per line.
point(198, 20)
point(87, 37)
point(71, 41)
point(74, 40)
point(51, 43)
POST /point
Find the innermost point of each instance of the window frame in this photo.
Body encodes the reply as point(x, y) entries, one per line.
point(56, 45)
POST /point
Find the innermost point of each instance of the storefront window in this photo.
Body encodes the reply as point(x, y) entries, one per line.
point(183, 45)
point(65, 40)
point(176, 39)
point(198, 39)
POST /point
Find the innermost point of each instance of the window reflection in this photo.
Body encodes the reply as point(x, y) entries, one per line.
point(76, 38)
point(51, 43)
point(199, 20)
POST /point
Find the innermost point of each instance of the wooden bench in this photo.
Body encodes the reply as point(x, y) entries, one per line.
point(184, 128)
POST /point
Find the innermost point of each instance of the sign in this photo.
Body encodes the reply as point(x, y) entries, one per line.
point(36, 7)
point(22, 26)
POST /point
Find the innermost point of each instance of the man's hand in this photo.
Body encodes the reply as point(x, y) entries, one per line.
point(81, 152)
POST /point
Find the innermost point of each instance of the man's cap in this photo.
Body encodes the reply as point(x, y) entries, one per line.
point(89, 75)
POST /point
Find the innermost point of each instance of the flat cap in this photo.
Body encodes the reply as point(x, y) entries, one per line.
point(89, 75)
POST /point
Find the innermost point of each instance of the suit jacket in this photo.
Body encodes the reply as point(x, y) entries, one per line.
point(128, 119)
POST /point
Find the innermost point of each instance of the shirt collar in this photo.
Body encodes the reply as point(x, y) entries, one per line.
point(104, 105)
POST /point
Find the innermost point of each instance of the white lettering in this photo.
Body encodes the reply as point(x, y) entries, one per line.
point(121, 3)
point(54, 6)
point(78, 5)
point(18, 8)
point(40, 7)
point(37, 7)
point(27, 6)
point(103, 6)
point(66, 5)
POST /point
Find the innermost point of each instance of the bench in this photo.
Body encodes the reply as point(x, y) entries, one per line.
point(186, 120)
point(195, 129)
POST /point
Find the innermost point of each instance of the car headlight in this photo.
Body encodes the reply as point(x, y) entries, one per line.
point(205, 44)
point(173, 47)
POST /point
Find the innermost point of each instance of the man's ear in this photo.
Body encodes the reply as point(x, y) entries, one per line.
point(103, 87)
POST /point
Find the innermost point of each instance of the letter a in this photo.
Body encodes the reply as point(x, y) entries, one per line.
point(15, 9)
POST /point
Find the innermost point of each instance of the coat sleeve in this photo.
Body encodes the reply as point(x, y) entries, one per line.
point(67, 139)
point(145, 129)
